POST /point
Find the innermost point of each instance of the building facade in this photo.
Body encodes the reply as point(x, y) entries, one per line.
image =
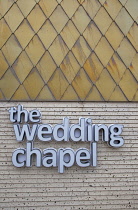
point(69, 59)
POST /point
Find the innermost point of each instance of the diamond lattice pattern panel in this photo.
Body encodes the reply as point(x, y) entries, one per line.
point(69, 50)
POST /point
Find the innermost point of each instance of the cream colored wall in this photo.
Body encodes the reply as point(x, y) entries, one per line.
point(113, 184)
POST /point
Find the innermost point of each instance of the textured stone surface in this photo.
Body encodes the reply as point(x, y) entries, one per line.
point(72, 50)
point(112, 185)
